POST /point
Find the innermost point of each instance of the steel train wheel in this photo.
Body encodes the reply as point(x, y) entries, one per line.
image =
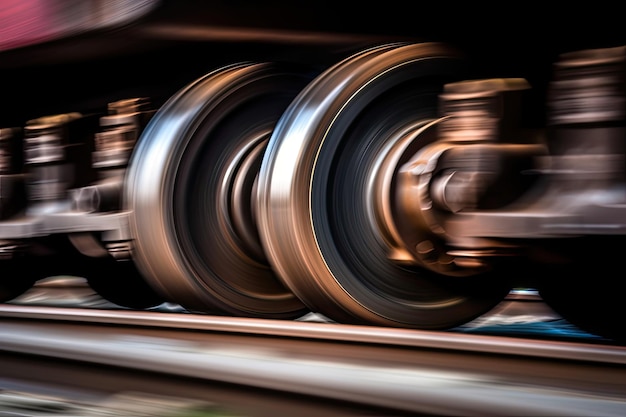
point(586, 291)
point(316, 210)
point(190, 189)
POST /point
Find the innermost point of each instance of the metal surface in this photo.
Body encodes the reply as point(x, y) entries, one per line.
point(394, 369)
point(318, 215)
point(191, 220)
point(326, 330)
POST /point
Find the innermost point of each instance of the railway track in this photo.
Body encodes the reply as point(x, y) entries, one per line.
point(312, 366)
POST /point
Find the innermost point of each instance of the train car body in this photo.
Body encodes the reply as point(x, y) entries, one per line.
point(386, 166)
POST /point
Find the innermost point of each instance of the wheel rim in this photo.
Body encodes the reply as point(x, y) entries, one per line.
point(195, 162)
point(317, 175)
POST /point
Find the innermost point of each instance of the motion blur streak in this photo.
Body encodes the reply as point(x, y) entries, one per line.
point(27, 22)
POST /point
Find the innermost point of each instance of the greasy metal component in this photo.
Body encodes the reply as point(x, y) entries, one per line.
point(109, 270)
point(382, 182)
point(102, 196)
point(419, 218)
point(410, 201)
point(44, 154)
point(587, 115)
point(318, 218)
point(120, 130)
point(57, 152)
point(108, 266)
point(114, 143)
point(187, 187)
point(48, 180)
point(475, 109)
point(588, 87)
point(457, 173)
point(457, 190)
point(475, 112)
point(582, 189)
point(56, 158)
point(442, 180)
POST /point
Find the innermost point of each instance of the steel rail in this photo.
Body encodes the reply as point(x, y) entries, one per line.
point(329, 331)
point(402, 370)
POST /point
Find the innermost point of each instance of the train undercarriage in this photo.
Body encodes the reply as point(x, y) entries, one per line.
point(374, 179)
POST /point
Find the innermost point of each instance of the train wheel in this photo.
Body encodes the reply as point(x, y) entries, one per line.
point(317, 188)
point(190, 189)
point(586, 292)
